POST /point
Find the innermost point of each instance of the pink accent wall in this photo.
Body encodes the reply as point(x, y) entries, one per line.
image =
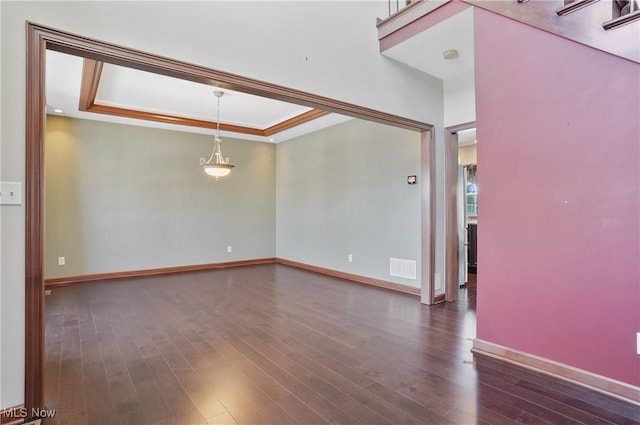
point(559, 183)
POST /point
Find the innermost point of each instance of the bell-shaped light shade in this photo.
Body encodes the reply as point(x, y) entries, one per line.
point(217, 165)
point(217, 170)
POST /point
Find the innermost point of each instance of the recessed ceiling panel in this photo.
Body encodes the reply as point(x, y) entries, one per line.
point(137, 90)
point(140, 90)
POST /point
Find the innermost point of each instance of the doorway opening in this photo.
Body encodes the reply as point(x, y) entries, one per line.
point(461, 209)
point(39, 40)
point(467, 208)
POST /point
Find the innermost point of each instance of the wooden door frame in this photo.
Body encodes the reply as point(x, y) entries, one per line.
point(41, 38)
point(451, 209)
point(428, 217)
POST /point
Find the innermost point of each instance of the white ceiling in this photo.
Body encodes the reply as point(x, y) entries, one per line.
point(467, 137)
point(139, 90)
point(423, 51)
point(133, 89)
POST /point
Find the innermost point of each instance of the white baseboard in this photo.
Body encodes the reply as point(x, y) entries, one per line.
point(562, 371)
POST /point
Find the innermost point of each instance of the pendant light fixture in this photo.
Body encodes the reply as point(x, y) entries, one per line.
point(217, 165)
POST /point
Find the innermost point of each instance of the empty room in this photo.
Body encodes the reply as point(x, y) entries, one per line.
point(256, 213)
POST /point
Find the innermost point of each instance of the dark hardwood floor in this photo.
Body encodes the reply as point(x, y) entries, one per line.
point(275, 345)
point(472, 280)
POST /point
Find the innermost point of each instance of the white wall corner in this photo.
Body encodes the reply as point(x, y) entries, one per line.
point(459, 99)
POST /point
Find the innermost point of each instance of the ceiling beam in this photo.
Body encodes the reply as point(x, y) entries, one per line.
point(171, 119)
point(292, 122)
point(78, 45)
point(91, 74)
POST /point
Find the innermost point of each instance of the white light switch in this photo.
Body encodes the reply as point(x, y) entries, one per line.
point(10, 193)
point(229, 248)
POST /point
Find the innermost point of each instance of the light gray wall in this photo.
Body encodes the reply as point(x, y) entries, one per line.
point(122, 197)
point(343, 190)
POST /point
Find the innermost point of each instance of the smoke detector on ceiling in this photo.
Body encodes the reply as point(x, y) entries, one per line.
point(450, 54)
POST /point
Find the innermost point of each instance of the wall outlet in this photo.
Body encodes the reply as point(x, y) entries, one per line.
point(61, 261)
point(350, 258)
point(10, 193)
point(228, 248)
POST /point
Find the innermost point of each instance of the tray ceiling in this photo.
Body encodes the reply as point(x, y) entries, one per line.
point(192, 104)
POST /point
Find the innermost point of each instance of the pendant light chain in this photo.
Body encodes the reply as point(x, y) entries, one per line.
point(220, 166)
point(218, 95)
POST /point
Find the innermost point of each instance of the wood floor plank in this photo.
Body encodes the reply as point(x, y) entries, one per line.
point(71, 396)
point(270, 344)
point(337, 398)
point(98, 399)
point(152, 401)
point(595, 403)
point(222, 419)
point(286, 379)
point(246, 403)
point(340, 397)
point(112, 359)
point(125, 399)
point(53, 355)
point(493, 400)
point(182, 407)
point(517, 387)
point(353, 390)
point(241, 365)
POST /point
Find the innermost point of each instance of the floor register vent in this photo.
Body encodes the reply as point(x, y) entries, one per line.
point(402, 268)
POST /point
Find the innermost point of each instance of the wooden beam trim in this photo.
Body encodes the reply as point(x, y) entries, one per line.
point(98, 50)
point(192, 122)
point(171, 119)
point(295, 121)
point(91, 74)
point(61, 281)
point(352, 277)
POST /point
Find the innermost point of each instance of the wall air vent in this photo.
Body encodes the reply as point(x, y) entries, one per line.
point(402, 268)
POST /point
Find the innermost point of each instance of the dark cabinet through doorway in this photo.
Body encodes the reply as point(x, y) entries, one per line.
point(472, 247)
